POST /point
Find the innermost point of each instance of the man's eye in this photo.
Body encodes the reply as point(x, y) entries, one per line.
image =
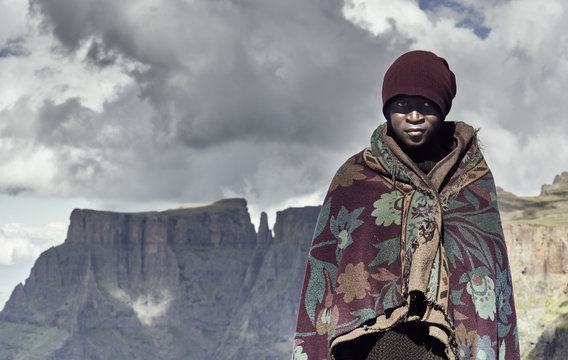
point(427, 104)
point(401, 104)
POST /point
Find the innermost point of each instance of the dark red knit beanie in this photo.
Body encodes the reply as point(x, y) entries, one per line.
point(420, 73)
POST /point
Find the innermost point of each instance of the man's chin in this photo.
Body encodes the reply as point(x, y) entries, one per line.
point(415, 142)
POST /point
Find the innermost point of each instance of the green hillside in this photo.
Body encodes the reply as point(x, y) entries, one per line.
point(545, 210)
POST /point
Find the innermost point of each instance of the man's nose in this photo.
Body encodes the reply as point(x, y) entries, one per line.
point(415, 116)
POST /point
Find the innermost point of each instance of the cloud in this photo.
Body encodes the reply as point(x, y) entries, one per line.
point(20, 243)
point(190, 101)
point(13, 19)
point(380, 17)
point(210, 98)
point(20, 246)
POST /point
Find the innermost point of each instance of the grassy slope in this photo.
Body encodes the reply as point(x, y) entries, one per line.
point(548, 210)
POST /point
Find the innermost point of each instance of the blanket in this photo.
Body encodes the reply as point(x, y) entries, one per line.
point(393, 244)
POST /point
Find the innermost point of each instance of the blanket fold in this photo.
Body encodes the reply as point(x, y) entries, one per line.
point(393, 244)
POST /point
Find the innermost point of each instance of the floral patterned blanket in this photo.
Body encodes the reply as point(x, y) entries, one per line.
point(387, 232)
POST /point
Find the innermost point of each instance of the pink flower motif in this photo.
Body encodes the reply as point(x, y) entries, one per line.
point(354, 282)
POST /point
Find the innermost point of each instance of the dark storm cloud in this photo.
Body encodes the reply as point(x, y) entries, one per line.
point(68, 123)
point(223, 71)
point(127, 162)
point(224, 85)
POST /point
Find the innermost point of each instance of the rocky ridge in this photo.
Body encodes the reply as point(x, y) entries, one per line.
point(558, 187)
point(149, 286)
point(536, 230)
point(538, 256)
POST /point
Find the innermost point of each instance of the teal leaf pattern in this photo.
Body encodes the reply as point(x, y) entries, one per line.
point(502, 350)
point(452, 251)
point(499, 256)
point(468, 230)
point(504, 292)
point(471, 199)
point(299, 353)
point(316, 285)
point(363, 315)
point(434, 275)
point(389, 251)
point(388, 209)
point(344, 224)
point(456, 297)
point(503, 329)
point(391, 295)
point(322, 218)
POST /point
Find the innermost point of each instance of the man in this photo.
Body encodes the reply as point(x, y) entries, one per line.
point(408, 259)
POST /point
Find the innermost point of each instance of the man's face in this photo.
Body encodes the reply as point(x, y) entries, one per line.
point(415, 120)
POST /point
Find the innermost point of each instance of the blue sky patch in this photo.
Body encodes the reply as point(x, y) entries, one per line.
point(13, 48)
point(471, 17)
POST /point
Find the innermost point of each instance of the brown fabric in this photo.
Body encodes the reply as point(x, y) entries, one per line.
point(463, 135)
point(425, 253)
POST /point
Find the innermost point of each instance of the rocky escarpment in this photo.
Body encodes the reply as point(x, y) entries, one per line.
point(538, 256)
point(194, 283)
point(536, 230)
point(558, 186)
point(198, 283)
point(538, 253)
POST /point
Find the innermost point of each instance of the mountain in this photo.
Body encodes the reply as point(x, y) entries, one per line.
point(201, 283)
point(536, 231)
point(558, 187)
point(191, 283)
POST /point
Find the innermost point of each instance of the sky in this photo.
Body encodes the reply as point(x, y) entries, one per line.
point(142, 105)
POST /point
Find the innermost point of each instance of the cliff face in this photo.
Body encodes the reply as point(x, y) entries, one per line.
point(201, 283)
point(190, 283)
point(538, 256)
point(538, 253)
point(536, 230)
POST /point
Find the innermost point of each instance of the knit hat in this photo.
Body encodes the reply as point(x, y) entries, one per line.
point(420, 73)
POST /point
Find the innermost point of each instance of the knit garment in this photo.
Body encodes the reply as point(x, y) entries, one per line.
point(420, 73)
point(404, 342)
point(395, 245)
point(399, 346)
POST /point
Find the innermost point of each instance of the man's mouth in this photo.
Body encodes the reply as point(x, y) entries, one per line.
point(415, 131)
